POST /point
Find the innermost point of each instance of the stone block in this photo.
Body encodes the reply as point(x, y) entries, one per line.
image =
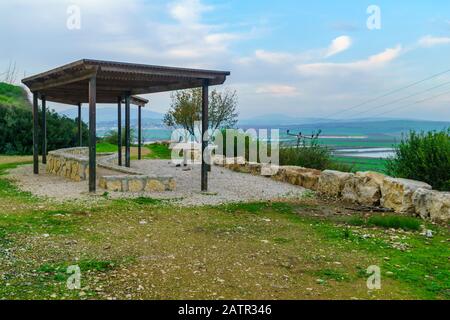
point(396, 194)
point(433, 205)
point(332, 182)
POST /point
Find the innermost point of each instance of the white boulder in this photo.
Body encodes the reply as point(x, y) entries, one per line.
point(433, 205)
point(396, 193)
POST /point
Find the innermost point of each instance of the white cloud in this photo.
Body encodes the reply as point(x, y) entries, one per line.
point(277, 89)
point(430, 41)
point(376, 61)
point(187, 11)
point(338, 45)
point(273, 57)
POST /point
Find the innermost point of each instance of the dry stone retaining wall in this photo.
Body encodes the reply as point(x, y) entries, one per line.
point(366, 188)
point(73, 164)
point(69, 163)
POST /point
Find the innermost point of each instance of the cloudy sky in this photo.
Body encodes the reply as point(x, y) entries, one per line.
point(299, 58)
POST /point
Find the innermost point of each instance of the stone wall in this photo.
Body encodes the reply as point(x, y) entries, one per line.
point(69, 163)
point(365, 188)
point(73, 164)
point(139, 183)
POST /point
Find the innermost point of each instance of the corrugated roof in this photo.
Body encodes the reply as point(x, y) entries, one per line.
point(69, 83)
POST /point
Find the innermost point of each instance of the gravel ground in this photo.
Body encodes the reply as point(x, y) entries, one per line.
point(224, 185)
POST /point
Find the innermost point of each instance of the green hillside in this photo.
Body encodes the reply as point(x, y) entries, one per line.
point(13, 96)
point(16, 124)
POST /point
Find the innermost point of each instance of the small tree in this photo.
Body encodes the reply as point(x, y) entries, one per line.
point(186, 110)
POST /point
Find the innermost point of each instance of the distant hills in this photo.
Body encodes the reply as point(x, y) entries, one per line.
point(285, 120)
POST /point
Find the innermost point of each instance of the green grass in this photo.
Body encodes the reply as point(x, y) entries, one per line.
point(332, 274)
point(423, 268)
point(395, 222)
point(387, 222)
point(363, 164)
point(106, 147)
point(159, 151)
point(276, 238)
point(59, 269)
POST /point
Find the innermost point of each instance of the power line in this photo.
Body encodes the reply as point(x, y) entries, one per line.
point(410, 104)
point(387, 94)
point(401, 99)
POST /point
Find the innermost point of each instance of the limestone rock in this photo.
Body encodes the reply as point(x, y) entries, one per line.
point(254, 168)
point(154, 185)
point(363, 188)
point(309, 178)
point(332, 182)
point(430, 204)
point(397, 193)
point(113, 185)
point(135, 185)
point(269, 170)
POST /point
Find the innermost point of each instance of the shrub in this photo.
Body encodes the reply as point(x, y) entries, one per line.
point(222, 144)
point(16, 131)
point(395, 222)
point(311, 154)
point(424, 157)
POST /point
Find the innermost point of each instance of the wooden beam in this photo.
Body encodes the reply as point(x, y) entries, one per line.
point(64, 80)
point(205, 137)
point(127, 130)
point(92, 135)
point(35, 134)
point(119, 129)
point(44, 130)
point(80, 127)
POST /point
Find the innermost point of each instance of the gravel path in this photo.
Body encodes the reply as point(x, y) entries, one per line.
point(224, 185)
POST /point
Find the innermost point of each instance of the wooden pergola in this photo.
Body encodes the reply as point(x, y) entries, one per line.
point(94, 81)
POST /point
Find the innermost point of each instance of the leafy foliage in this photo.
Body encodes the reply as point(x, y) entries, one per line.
point(16, 123)
point(13, 96)
point(424, 157)
point(310, 154)
point(186, 110)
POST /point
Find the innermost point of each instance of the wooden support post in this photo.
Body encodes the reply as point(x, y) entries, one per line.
point(35, 134)
point(119, 129)
point(205, 138)
point(92, 134)
point(80, 128)
point(127, 130)
point(44, 130)
point(139, 132)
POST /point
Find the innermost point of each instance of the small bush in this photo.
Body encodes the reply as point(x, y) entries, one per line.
point(310, 154)
point(395, 222)
point(424, 157)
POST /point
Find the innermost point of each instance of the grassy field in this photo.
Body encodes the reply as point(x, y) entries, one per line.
point(108, 147)
point(158, 151)
point(363, 164)
point(147, 248)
